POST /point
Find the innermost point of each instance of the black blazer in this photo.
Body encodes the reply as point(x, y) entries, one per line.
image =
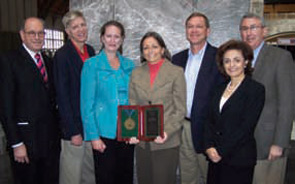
point(28, 104)
point(231, 131)
point(67, 69)
point(208, 79)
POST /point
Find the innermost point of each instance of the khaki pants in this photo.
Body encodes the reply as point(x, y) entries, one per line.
point(76, 164)
point(270, 172)
point(193, 166)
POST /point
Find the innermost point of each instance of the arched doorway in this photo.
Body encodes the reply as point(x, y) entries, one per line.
point(285, 40)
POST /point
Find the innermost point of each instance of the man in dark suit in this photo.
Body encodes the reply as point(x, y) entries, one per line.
point(76, 160)
point(273, 67)
point(29, 110)
point(201, 77)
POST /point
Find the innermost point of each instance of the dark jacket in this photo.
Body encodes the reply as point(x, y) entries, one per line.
point(208, 78)
point(231, 131)
point(28, 103)
point(67, 70)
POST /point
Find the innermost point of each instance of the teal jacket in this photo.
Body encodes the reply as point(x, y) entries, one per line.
point(99, 95)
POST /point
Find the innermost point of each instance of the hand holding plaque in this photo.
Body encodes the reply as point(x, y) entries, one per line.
point(143, 122)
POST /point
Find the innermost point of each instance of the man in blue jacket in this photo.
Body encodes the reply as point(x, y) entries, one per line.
point(201, 76)
point(76, 160)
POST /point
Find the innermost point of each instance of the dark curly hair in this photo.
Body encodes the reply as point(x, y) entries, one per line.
point(235, 45)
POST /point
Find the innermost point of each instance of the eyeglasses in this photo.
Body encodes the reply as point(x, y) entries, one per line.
point(34, 34)
point(252, 28)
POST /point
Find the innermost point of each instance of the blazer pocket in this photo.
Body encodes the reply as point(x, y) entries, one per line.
point(23, 123)
point(25, 130)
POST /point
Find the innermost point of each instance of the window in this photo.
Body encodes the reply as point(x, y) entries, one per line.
point(54, 39)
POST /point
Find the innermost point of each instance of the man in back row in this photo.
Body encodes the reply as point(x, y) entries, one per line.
point(76, 159)
point(202, 77)
point(274, 68)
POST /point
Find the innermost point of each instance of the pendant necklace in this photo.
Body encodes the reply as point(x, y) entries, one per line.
point(229, 89)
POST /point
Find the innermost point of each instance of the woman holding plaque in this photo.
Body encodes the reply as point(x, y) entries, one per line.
point(156, 82)
point(235, 110)
point(104, 86)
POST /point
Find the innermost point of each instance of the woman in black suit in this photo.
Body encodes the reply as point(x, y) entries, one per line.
point(234, 113)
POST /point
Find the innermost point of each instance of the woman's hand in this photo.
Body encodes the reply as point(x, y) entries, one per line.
point(133, 140)
point(213, 155)
point(161, 140)
point(98, 145)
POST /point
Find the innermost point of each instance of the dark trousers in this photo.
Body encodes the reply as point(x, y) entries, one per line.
point(226, 174)
point(115, 164)
point(43, 170)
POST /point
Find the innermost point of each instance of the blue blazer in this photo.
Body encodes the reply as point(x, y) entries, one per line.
point(67, 70)
point(231, 131)
point(99, 95)
point(208, 78)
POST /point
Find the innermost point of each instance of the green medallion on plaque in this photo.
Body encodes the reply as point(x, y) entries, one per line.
point(129, 118)
point(143, 122)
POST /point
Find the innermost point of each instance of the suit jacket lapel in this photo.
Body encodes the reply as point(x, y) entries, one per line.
point(27, 57)
point(29, 60)
point(75, 57)
point(160, 78)
point(217, 99)
point(184, 59)
point(204, 71)
point(238, 94)
point(205, 66)
point(145, 79)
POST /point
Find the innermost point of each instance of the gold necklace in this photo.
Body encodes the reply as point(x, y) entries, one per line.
point(232, 89)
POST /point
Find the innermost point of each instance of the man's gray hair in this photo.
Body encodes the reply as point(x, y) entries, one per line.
point(254, 16)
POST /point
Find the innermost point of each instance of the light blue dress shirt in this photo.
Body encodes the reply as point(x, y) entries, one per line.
point(191, 75)
point(256, 52)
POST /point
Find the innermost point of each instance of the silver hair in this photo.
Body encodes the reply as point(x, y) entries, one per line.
point(255, 16)
point(71, 15)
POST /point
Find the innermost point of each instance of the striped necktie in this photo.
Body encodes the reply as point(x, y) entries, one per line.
point(41, 67)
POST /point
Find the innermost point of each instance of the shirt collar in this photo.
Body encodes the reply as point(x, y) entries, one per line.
point(32, 54)
point(256, 52)
point(200, 53)
point(84, 55)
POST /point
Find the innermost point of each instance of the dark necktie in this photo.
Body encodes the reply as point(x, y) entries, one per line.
point(41, 67)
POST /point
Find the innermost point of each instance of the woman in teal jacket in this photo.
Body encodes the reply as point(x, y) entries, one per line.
point(104, 86)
